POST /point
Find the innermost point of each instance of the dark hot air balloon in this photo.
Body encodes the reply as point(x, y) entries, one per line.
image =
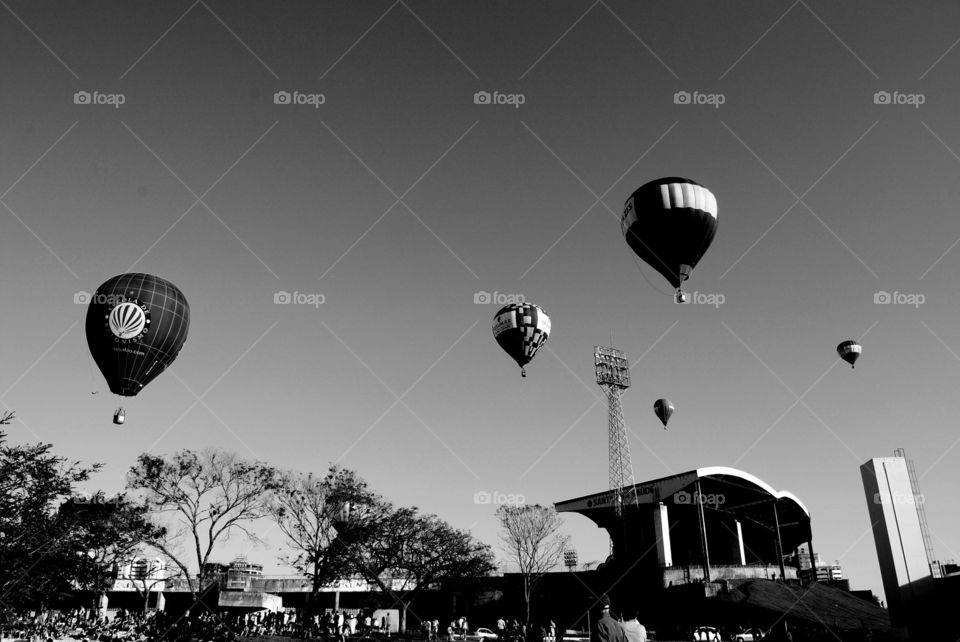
point(136, 325)
point(849, 351)
point(520, 329)
point(670, 223)
point(663, 409)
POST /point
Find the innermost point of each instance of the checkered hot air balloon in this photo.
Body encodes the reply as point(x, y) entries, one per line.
point(670, 223)
point(849, 351)
point(136, 325)
point(663, 408)
point(520, 329)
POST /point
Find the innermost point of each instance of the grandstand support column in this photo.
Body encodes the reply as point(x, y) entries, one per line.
point(661, 527)
point(813, 561)
point(743, 556)
point(703, 532)
point(776, 522)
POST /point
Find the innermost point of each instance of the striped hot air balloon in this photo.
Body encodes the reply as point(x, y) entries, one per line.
point(520, 329)
point(670, 223)
point(136, 325)
point(849, 351)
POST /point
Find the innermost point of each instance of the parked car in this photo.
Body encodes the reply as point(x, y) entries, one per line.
point(481, 634)
point(706, 634)
point(749, 635)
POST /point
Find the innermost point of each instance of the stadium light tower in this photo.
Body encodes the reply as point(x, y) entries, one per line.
point(613, 375)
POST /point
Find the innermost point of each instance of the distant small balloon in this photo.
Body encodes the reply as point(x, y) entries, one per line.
point(663, 409)
point(849, 351)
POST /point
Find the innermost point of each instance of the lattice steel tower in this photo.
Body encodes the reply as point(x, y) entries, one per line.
point(613, 375)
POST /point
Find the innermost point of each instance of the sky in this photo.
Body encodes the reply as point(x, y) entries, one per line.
point(387, 199)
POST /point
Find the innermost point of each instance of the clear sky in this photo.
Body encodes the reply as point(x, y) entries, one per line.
point(398, 198)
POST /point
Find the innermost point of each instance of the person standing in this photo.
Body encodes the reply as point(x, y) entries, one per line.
point(607, 629)
point(632, 628)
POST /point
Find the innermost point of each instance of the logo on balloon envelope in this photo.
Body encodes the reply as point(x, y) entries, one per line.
point(128, 320)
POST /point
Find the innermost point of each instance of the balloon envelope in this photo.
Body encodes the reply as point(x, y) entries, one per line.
point(849, 351)
point(670, 223)
point(663, 409)
point(136, 325)
point(521, 329)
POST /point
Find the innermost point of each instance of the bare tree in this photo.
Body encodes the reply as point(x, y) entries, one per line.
point(308, 509)
point(532, 540)
point(159, 571)
point(208, 496)
point(417, 551)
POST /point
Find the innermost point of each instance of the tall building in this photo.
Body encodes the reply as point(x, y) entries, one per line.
point(897, 534)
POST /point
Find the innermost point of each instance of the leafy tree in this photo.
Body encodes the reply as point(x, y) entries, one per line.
point(107, 531)
point(532, 540)
point(38, 548)
point(208, 496)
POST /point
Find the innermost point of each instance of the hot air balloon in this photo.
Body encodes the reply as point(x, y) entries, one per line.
point(849, 351)
point(136, 325)
point(670, 223)
point(520, 329)
point(663, 409)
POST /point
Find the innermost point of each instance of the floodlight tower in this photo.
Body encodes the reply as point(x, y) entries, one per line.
point(613, 375)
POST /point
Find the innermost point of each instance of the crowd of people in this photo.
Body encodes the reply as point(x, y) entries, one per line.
point(90, 625)
point(85, 625)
